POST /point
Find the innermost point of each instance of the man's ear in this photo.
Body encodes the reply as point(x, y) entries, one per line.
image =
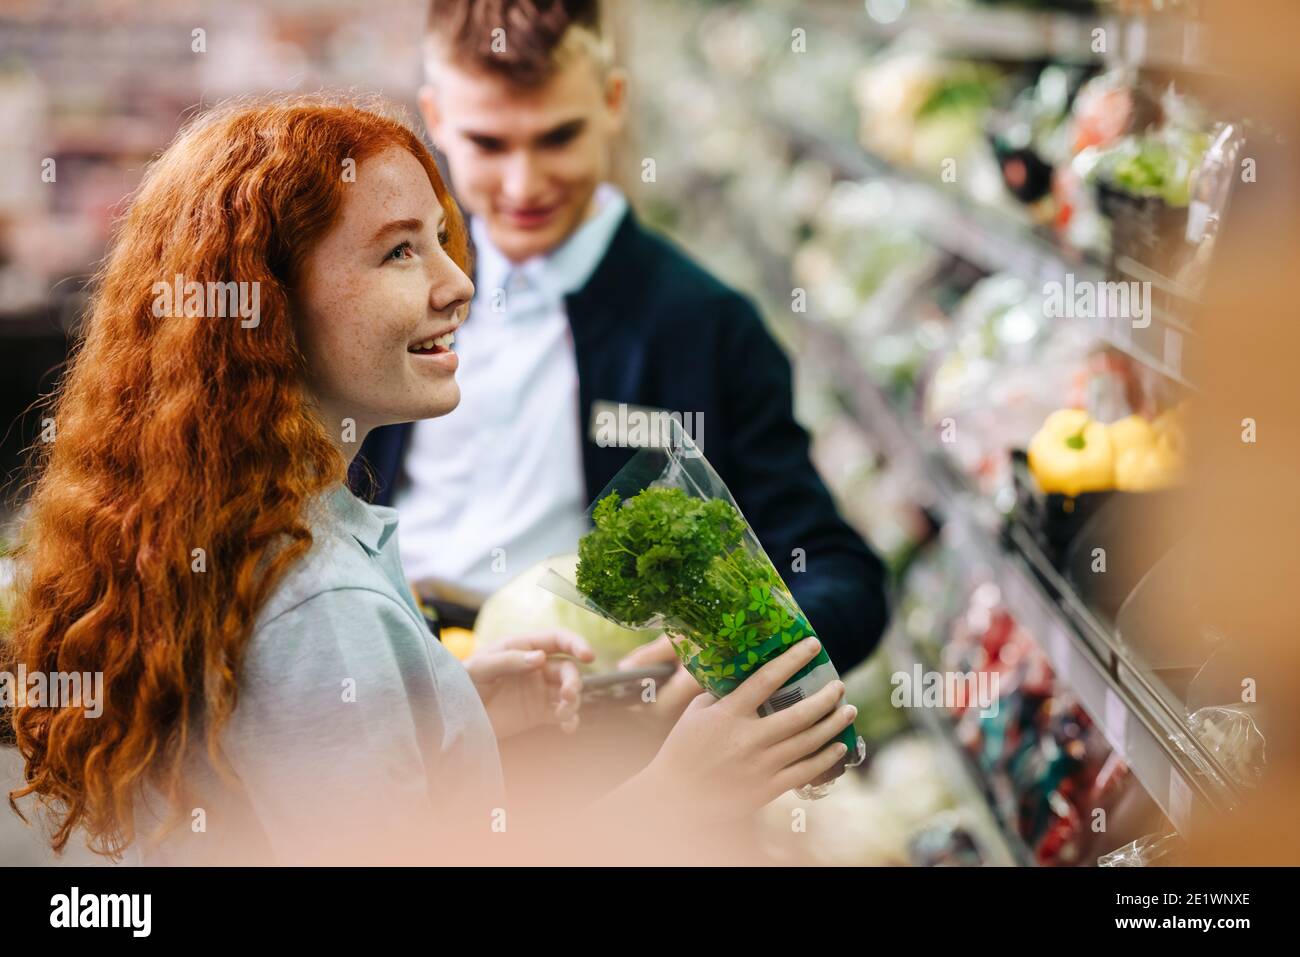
point(616, 97)
point(429, 110)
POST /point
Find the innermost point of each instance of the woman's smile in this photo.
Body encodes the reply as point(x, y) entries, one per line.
point(442, 359)
point(434, 350)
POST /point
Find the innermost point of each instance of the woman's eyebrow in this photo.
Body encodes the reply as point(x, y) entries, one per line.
point(397, 226)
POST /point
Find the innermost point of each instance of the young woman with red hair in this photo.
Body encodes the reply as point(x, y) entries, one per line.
point(272, 693)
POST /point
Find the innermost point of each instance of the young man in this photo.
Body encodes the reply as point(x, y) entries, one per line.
point(579, 309)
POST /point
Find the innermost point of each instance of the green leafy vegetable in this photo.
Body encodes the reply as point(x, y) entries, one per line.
point(662, 553)
point(1155, 166)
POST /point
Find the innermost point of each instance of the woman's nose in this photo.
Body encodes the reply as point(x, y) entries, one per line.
point(451, 288)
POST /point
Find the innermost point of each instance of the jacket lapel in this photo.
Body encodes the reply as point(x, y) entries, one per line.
point(610, 340)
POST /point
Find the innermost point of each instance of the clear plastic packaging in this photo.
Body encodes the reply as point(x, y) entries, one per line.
point(1150, 850)
point(1230, 733)
point(671, 549)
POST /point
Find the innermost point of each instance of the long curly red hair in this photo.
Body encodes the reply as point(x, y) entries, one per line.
point(180, 433)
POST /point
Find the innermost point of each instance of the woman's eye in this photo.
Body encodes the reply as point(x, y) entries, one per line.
point(402, 250)
point(444, 238)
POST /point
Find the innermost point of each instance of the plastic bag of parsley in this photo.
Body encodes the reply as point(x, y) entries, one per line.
point(670, 549)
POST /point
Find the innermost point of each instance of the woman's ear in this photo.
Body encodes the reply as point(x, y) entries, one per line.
point(432, 116)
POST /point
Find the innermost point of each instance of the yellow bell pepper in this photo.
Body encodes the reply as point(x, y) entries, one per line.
point(1158, 465)
point(1072, 454)
point(1173, 423)
point(1131, 432)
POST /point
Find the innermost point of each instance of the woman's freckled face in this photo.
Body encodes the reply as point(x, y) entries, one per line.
point(378, 283)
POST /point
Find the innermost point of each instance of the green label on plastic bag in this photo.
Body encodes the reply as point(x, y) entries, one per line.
point(810, 679)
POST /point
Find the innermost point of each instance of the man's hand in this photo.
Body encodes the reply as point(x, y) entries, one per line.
point(523, 688)
point(671, 697)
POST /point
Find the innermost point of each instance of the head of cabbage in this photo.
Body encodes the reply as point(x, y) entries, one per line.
point(524, 607)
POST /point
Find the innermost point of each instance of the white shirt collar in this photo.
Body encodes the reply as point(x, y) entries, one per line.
point(566, 268)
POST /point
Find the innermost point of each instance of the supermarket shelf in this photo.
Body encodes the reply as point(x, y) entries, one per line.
point(1161, 42)
point(998, 241)
point(1180, 775)
point(998, 840)
point(1136, 720)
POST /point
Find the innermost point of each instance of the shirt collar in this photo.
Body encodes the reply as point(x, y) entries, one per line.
point(565, 269)
point(371, 525)
point(491, 267)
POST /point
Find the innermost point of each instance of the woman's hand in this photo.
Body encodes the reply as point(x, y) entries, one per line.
point(523, 688)
point(671, 696)
point(722, 761)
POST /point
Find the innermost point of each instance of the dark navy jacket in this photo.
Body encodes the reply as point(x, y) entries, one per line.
point(651, 328)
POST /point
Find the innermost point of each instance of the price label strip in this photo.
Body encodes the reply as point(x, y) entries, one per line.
point(1174, 351)
point(1180, 803)
point(1115, 723)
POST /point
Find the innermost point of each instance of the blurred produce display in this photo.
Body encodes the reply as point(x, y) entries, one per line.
point(986, 262)
point(898, 812)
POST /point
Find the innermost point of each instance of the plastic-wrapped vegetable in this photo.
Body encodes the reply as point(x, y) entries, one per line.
point(916, 109)
point(1161, 165)
point(1230, 733)
point(670, 549)
point(522, 608)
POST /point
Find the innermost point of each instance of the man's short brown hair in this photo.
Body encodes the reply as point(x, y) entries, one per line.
point(522, 40)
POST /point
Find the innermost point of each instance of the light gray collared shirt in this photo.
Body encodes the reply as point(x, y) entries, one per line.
point(355, 731)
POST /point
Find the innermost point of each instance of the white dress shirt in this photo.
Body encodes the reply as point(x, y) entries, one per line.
point(497, 485)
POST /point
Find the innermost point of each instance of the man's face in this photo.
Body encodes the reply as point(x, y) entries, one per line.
point(525, 159)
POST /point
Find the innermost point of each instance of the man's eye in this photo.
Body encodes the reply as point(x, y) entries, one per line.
point(561, 138)
point(402, 250)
